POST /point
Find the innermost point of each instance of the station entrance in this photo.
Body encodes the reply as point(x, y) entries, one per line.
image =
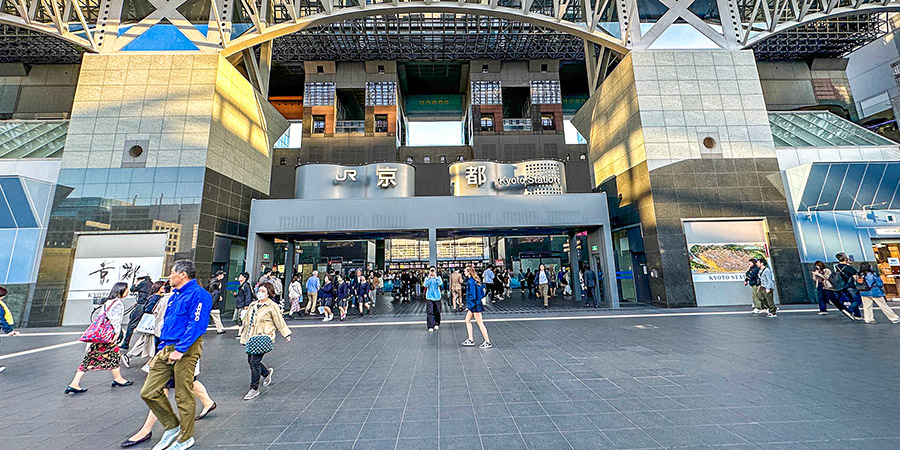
point(512, 235)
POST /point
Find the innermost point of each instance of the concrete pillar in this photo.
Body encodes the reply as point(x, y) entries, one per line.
point(432, 247)
point(574, 264)
point(691, 122)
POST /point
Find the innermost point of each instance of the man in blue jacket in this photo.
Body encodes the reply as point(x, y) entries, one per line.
point(180, 346)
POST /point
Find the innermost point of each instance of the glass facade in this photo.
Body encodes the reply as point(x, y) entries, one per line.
point(23, 203)
point(486, 93)
point(381, 93)
point(545, 92)
point(319, 94)
point(194, 204)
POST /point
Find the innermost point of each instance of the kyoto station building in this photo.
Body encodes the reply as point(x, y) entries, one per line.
point(659, 143)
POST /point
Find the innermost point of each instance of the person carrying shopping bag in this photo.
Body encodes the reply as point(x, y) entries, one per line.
point(258, 336)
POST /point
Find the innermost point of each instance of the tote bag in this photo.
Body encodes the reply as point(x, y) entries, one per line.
point(259, 344)
point(147, 325)
point(100, 331)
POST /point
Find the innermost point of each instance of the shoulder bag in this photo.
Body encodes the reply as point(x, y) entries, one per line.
point(261, 343)
point(147, 325)
point(100, 331)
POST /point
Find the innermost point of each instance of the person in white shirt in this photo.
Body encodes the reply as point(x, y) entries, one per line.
point(488, 277)
point(542, 280)
point(295, 292)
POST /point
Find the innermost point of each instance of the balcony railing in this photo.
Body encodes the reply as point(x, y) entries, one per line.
point(350, 126)
point(516, 124)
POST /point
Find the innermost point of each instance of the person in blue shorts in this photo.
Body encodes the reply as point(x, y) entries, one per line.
point(475, 306)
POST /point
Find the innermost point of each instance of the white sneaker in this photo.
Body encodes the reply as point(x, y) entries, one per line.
point(328, 319)
point(126, 361)
point(251, 394)
point(2, 368)
point(436, 327)
point(182, 445)
point(486, 344)
point(755, 311)
point(268, 380)
point(823, 313)
point(167, 439)
point(431, 330)
point(768, 314)
point(468, 343)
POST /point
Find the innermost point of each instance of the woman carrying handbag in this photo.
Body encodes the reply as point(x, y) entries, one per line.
point(101, 336)
point(258, 336)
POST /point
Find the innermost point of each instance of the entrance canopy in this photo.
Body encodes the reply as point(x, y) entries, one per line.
point(366, 218)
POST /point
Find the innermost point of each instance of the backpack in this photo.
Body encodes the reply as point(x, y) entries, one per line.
point(837, 279)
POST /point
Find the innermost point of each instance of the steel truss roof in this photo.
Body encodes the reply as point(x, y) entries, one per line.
point(830, 38)
point(419, 37)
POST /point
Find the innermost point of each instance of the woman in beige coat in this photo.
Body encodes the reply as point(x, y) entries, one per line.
point(263, 317)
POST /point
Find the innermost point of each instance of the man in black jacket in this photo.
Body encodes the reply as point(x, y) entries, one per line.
point(242, 298)
point(751, 278)
point(142, 289)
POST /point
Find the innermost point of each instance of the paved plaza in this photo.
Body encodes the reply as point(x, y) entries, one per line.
point(642, 379)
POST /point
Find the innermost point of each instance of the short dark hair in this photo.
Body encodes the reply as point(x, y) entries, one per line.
point(185, 266)
point(245, 275)
point(753, 260)
point(842, 257)
point(220, 272)
point(270, 290)
point(763, 262)
point(3, 291)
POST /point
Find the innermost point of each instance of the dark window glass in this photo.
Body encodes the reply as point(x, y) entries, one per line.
point(487, 122)
point(547, 121)
point(381, 123)
point(320, 69)
point(318, 125)
point(18, 202)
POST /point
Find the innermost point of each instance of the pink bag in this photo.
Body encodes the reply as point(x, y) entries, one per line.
point(100, 331)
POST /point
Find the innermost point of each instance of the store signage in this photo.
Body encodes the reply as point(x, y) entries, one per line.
point(528, 180)
point(371, 180)
point(887, 231)
point(893, 261)
point(387, 177)
point(475, 175)
point(709, 277)
point(594, 248)
point(492, 178)
point(348, 174)
point(266, 256)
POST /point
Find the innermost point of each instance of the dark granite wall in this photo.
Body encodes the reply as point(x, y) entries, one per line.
point(703, 189)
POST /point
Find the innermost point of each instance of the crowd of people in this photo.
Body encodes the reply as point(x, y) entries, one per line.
point(843, 286)
point(170, 317)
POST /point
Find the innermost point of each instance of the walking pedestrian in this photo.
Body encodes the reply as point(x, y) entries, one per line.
point(146, 344)
point(312, 293)
point(258, 336)
point(142, 291)
point(146, 431)
point(433, 286)
point(529, 280)
point(105, 355)
point(6, 319)
point(552, 281)
point(825, 290)
point(766, 289)
point(362, 293)
point(180, 347)
point(343, 296)
point(295, 292)
point(242, 297)
point(751, 278)
point(375, 285)
point(542, 279)
point(475, 305)
point(215, 291)
point(845, 288)
point(590, 284)
point(456, 281)
point(488, 277)
point(326, 298)
point(871, 288)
